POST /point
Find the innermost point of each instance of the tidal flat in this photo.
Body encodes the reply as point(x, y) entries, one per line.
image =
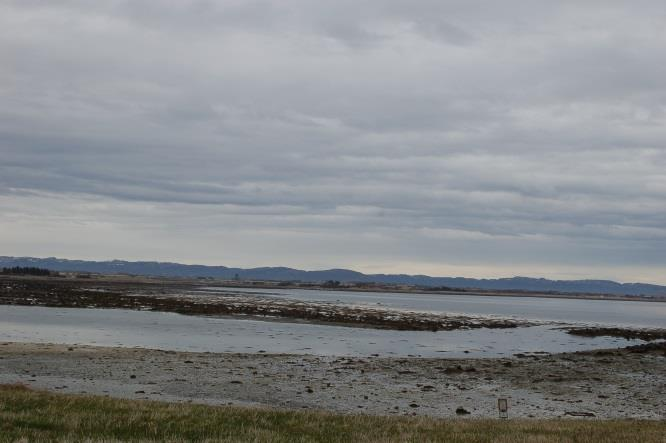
point(347, 353)
point(622, 383)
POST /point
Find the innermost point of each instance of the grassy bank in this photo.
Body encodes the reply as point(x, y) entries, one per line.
point(27, 415)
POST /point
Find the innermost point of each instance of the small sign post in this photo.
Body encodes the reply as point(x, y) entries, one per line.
point(503, 407)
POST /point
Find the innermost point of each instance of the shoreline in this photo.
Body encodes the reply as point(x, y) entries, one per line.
point(191, 282)
point(624, 383)
point(176, 299)
point(190, 300)
point(463, 292)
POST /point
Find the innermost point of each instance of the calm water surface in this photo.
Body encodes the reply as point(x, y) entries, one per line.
point(602, 312)
point(168, 331)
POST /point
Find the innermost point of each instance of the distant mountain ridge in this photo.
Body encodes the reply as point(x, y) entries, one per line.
point(167, 269)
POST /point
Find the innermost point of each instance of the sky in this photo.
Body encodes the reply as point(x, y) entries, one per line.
point(449, 138)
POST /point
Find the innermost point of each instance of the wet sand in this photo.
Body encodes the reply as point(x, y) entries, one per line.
point(627, 383)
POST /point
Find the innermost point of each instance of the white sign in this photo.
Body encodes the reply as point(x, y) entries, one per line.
point(503, 407)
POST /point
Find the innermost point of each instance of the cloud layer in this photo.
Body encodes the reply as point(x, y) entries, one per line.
point(475, 138)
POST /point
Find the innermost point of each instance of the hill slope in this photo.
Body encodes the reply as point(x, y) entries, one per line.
point(343, 275)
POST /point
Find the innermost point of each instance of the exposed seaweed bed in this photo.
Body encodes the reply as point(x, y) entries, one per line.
point(183, 299)
point(629, 334)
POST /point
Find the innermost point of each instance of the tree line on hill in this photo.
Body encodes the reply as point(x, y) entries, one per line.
point(26, 270)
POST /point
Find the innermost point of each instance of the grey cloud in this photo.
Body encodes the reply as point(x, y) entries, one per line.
point(464, 129)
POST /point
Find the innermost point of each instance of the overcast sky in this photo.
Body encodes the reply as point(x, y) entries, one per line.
point(451, 138)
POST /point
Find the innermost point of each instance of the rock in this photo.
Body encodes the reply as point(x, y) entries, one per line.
point(413, 405)
point(580, 414)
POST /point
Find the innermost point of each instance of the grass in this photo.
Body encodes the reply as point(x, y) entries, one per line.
point(27, 416)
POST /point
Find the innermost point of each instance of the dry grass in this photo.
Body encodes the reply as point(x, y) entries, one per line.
point(27, 415)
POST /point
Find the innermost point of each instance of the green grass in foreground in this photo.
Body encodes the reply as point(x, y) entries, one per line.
point(27, 415)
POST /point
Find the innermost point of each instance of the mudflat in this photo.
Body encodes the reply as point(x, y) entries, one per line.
point(625, 383)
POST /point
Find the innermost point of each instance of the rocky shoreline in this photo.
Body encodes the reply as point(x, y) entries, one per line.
point(183, 299)
point(186, 298)
point(626, 333)
point(619, 383)
point(625, 383)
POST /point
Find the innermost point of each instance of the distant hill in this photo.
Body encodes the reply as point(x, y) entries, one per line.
point(343, 275)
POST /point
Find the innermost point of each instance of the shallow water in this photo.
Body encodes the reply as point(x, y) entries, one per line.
point(579, 311)
point(169, 331)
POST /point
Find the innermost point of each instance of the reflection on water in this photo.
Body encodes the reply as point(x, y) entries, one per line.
point(608, 312)
point(168, 331)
